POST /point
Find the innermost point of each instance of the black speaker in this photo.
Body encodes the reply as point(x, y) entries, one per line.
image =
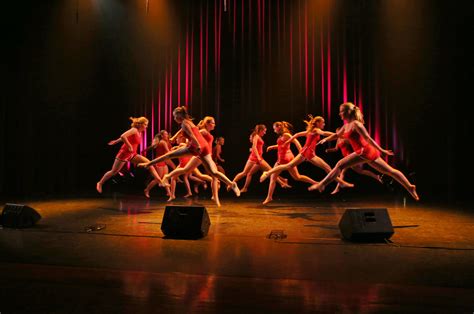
point(185, 222)
point(19, 216)
point(366, 225)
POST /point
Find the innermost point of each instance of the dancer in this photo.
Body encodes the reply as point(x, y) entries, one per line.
point(346, 149)
point(314, 130)
point(366, 150)
point(162, 144)
point(255, 161)
point(128, 152)
point(282, 129)
point(197, 147)
point(216, 153)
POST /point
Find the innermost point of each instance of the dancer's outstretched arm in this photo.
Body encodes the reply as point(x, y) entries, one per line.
point(295, 136)
point(269, 148)
point(332, 137)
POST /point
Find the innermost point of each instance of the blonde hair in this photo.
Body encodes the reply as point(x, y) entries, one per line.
point(182, 111)
point(311, 123)
point(285, 127)
point(136, 122)
point(353, 112)
point(258, 128)
point(204, 121)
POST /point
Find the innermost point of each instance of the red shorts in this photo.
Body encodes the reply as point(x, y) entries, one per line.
point(369, 152)
point(205, 150)
point(183, 161)
point(308, 154)
point(125, 155)
point(284, 159)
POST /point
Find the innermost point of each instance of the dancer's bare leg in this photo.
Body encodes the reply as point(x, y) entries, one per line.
point(319, 162)
point(209, 163)
point(162, 170)
point(300, 177)
point(193, 163)
point(172, 195)
point(215, 191)
point(346, 162)
point(116, 167)
point(383, 167)
point(188, 186)
point(264, 166)
point(295, 162)
point(360, 170)
point(244, 172)
point(248, 178)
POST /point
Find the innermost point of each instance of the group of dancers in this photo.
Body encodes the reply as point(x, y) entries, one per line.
point(194, 147)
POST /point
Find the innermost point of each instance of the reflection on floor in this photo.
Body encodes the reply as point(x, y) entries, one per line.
point(127, 267)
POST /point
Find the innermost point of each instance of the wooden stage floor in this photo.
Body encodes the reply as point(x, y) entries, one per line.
point(58, 267)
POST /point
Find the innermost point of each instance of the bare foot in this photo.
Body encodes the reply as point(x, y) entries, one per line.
point(235, 188)
point(336, 190)
point(218, 203)
point(264, 176)
point(286, 186)
point(243, 190)
point(188, 195)
point(196, 189)
point(147, 193)
point(317, 186)
point(98, 187)
point(413, 193)
point(267, 200)
point(164, 181)
point(346, 185)
point(172, 197)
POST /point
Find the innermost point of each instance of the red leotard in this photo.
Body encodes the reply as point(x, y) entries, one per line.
point(345, 146)
point(253, 157)
point(124, 154)
point(360, 145)
point(183, 161)
point(284, 153)
point(209, 139)
point(308, 149)
point(205, 150)
point(160, 151)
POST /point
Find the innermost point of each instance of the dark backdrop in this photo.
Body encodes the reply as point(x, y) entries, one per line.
point(74, 71)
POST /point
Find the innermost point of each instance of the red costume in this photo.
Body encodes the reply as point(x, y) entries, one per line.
point(284, 153)
point(124, 154)
point(253, 157)
point(361, 147)
point(308, 149)
point(345, 147)
point(160, 151)
point(209, 139)
point(183, 161)
point(205, 150)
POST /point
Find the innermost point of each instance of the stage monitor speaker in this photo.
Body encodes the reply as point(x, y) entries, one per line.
point(19, 216)
point(366, 225)
point(185, 222)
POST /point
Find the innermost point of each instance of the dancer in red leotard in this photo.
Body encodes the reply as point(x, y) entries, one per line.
point(197, 146)
point(313, 132)
point(345, 147)
point(366, 150)
point(128, 151)
point(216, 153)
point(284, 156)
point(255, 160)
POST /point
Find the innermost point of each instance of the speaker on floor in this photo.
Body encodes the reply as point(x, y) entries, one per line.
point(366, 225)
point(185, 222)
point(19, 216)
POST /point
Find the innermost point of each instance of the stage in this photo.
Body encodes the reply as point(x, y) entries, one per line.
point(127, 267)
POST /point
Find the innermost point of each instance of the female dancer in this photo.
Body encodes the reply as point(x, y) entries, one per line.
point(255, 160)
point(313, 132)
point(128, 152)
point(162, 144)
point(196, 147)
point(346, 149)
point(366, 150)
point(284, 156)
point(216, 153)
